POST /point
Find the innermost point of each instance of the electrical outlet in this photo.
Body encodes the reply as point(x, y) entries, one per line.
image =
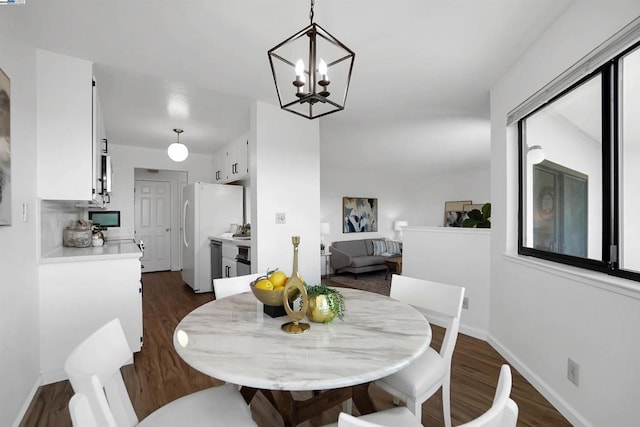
point(573, 372)
point(465, 303)
point(281, 218)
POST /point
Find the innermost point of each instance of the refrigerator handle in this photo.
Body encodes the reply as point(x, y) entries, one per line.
point(184, 223)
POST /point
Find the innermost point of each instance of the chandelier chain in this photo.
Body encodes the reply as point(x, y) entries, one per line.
point(311, 11)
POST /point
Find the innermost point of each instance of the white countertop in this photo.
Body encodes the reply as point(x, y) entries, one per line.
point(232, 240)
point(110, 250)
point(233, 340)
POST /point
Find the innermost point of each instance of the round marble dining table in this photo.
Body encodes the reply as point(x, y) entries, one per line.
point(231, 339)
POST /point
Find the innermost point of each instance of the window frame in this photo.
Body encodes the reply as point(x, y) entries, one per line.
point(610, 110)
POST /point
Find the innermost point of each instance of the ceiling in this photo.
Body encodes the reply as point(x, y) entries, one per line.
point(419, 96)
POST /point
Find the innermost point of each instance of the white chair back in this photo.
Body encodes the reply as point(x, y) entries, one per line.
point(503, 411)
point(441, 304)
point(81, 413)
point(346, 420)
point(101, 355)
point(82, 409)
point(228, 286)
point(394, 417)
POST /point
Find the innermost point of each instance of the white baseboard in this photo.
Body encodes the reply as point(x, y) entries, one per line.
point(543, 388)
point(27, 402)
point(473, 332)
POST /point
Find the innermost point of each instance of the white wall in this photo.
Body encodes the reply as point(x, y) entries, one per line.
point(19, 316)
point(542, 313)
point(455, 256)
point(418, 198)
point(285, 169)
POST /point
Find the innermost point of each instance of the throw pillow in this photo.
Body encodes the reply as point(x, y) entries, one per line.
point(393, 247)
point(379, 247)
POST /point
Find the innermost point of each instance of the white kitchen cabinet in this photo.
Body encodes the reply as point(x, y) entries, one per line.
point(229, 263)
point(67, 129)
point(231, 163)
point(219, 167)
point(229, 267)
point(237, 160)
point(76, 298)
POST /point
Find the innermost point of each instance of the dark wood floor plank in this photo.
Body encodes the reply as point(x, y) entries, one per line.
point(160, 376)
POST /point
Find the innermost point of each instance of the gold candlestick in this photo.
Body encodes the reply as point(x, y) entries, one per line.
point(295, 281)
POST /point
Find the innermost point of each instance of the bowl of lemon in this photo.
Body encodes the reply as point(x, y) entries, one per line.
point(269, 289)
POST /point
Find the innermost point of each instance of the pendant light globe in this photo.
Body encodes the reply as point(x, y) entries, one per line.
point(177, 151)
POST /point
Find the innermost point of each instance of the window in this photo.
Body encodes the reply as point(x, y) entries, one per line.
point(580, 171)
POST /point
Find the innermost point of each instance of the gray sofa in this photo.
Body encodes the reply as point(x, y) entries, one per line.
point(356, 256)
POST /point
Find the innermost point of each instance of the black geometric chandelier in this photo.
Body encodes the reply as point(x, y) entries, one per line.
point(311, 71)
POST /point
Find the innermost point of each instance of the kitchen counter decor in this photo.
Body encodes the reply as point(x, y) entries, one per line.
point(77, 234)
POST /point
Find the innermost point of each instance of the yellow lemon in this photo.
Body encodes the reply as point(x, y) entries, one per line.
point(264, 284)
point(278, 288)
point(278, 278)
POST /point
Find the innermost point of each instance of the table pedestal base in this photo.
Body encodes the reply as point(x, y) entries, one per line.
point(296, 411)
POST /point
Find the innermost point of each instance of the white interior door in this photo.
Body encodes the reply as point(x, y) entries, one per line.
point(153, 223)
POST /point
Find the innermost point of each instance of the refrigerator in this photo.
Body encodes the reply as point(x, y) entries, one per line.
point(208, 211)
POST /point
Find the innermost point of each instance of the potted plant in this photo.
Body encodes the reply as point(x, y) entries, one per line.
point(325, 304)
point(478, 218)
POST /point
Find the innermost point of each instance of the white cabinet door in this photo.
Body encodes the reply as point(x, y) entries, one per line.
point(229, 263)
point(66, 157)
point(77, 298)
point(229, 267)
point(219, 166)
point(231, 162)
point(237, 160)
point(241, 159)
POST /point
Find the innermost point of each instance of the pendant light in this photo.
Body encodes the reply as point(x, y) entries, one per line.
point(311, 71)
point(535, 154)
point(177, 151)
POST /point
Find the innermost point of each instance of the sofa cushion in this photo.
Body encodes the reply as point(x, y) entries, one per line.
point(369, 245)
point(353, 247)
point(393, 247)
point(362, 261)
point(379, 247)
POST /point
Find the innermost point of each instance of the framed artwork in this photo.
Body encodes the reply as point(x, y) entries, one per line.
point(5, 149)
point(454, 212)
point(360, 214)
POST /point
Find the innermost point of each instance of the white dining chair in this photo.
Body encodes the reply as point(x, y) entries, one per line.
point(394, 417)
point(503, 411)
point(81, 412)
point(441, 304)
point(227, 286)
point(94, 366)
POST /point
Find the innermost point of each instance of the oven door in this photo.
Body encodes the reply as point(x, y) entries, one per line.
point(243, 266)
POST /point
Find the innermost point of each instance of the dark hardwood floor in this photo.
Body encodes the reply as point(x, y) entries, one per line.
point(159, 375)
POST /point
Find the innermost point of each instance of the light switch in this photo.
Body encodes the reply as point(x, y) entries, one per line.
point(281, 218)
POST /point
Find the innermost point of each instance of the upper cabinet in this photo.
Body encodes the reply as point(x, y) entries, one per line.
point(220, 166)
point(231, 163)
point(69, 128)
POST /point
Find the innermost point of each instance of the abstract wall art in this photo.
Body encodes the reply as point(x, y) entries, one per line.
point(5, 149)
point(360, 214)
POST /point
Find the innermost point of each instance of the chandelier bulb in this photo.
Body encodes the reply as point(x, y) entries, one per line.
point(322, 69)
point(300, 71)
